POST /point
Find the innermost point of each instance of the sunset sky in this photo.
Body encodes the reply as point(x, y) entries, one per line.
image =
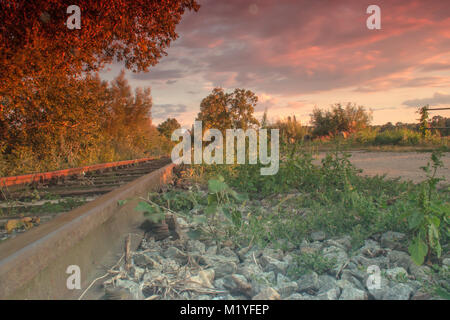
point(303, 53)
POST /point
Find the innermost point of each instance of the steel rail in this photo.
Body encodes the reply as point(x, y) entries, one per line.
point(40, 177)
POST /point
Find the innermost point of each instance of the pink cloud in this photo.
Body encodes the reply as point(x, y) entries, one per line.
point(296, 47)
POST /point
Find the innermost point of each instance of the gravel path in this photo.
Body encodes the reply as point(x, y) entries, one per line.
point(396, 164)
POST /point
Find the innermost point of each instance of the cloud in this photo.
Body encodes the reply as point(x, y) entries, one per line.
point(297, 47)
point(436, 99)
point(168, 110)
point(159, 74)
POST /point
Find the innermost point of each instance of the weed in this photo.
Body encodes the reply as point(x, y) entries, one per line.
point(310, 262)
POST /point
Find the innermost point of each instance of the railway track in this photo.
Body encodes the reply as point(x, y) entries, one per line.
point(29, 200)
point(70, 217)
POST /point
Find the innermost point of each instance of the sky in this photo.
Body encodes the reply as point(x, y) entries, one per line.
point(300, 54)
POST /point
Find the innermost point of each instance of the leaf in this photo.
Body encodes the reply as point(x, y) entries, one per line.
point(434, 221)
point(216, 186)
point(194, 234)
point(237, 218)
point(212, 199)
point(121, 202)
point(11, 225)
point(443, 293)
point(146, 207)
point(211, 209)
point(415, 219)
point(199, 219)
point(418, 250)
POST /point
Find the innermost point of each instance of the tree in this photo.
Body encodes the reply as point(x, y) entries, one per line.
point(128, 116)
point(220, 110)
point(39, 55)
point(423, 121)
point(167, 127)
point(338, 120)
point(53, 106)
point(441, 122)
point(134, 31)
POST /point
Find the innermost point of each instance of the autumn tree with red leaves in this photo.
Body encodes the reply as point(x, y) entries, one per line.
point(47, 70)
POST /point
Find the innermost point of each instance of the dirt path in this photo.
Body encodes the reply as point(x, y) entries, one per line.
point(397, 164)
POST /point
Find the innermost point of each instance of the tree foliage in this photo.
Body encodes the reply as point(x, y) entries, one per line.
point(220, 110)
point(339, 120)
point(424, 121)
point(96, 122)
point(167, 127)
point(53, 106)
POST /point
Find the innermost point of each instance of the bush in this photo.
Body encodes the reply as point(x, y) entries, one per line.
point(291, 130)
point(402, 137)
point(338, 120)
point(366, 136)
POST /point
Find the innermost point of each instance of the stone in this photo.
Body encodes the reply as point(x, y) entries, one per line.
point(195, 246)
point(336, 254)
point(289, 259)
point(117, 293)
point(262, 281)
point(352, 293)
point(331, 294)
point(267, 294)
point(222, 265)
point(136, 272)
point(419, 272)
point(371, 249)
point(249, 270)
point(272, 264)
point(285, 286)
point(399, 259)
point(150, 275)
point(176, 254)
point(350, 277)
point(224, 297)
point(310, 248)
point(378, 293)
point(326, 283)
point(204, 279)
point(143, 261)
point(220, 283)
point(238, 284)
point(342, 243)
point(309, 283)
point(392, 240)
point(380, 261)
point(182, 223)
point(273, 253)
point(396, 272)
point(132, 287)
point(295, 296)
point(227, 252)
point(421, 295)
point(345, 242)
point(212, 250)
point(399, 291)
point(318, 236)
point(446, 262)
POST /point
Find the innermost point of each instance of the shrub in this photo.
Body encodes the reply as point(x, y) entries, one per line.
point(401, 136)
point(350, 119)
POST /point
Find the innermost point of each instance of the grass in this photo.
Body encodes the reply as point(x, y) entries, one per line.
point(284, 209)
point(48, 207)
